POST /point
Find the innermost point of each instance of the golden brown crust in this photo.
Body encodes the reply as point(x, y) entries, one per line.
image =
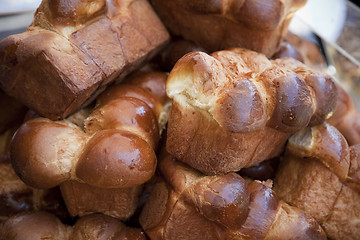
point(116, 202)
point(74, 49)
point(299, 225)
point(101, 157)
point(235, 108)
point(38, 136)
point(189, 205)
point(98, 226)
point(220, 24)
point(322, 87)
point(319, 175)
point(110, 149)
point(343, 222)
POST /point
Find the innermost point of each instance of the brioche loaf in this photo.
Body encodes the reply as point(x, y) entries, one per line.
point(235, 108)
point(320, 175)
point(41, 225)
point(74, 49)
point(220, 24)
point(189, 205)
point(114, 148)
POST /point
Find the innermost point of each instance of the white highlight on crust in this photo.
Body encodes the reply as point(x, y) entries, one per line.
point(181, 88)
point(68, 149)
point(302, 140)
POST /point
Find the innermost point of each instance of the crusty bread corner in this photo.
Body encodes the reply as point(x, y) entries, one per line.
point(74, 49)
point(235, 108)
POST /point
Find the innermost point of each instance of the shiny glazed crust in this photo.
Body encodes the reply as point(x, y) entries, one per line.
point(189, 205)
point(235, 108)
point(113, 147)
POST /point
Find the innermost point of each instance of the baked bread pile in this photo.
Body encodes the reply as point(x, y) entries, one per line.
point(105, 156)
point(251, 104)
point(229, 132)
point(185, 204)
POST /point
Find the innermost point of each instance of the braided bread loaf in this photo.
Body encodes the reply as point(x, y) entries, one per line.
point(41, 225)
point(189, 205)
point(220, 24)
point(236, 108)
point(106, 160)
point(320, 175)
point(74, 49)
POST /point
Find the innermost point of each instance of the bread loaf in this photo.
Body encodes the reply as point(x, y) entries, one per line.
point(319, 174)
point(189, 205)
point(114, 149)
point(220, 24)
point(74, 49)
point(235, 108)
